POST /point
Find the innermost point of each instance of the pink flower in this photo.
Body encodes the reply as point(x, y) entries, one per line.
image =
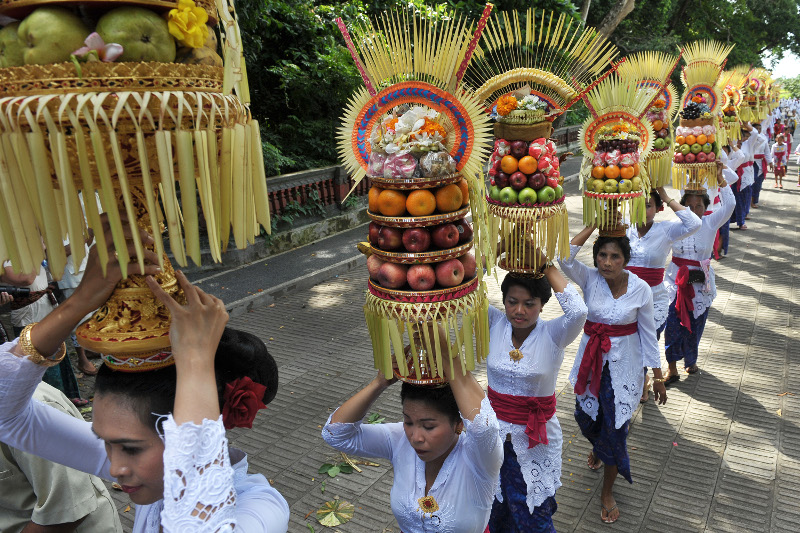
point(97, 49)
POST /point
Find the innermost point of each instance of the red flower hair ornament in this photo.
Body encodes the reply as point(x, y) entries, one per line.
point(242, 400)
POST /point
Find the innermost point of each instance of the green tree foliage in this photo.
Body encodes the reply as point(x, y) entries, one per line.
point(791, 86)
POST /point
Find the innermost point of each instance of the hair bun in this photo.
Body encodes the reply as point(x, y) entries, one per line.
point(241, 354)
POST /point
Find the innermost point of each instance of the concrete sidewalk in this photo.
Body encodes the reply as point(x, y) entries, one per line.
point(722, 455)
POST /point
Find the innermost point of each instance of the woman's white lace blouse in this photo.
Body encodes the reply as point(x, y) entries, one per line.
point(651, 251)
point(628, 354)
point(699, 246)
point(463, 489)
point(197, 469)
point(534, 375)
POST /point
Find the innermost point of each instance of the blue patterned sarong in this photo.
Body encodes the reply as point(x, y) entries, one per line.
point(679, 342)
point(610, 445)
point(512, 515)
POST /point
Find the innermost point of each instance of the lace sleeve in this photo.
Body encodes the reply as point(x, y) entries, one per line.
point(574, 269)
point(651, 353)
point(564, 329)
point(199, 493)
point(371, 440)
point(483, 446)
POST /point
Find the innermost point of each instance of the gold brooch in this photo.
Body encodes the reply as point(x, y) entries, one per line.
point(427, 504)
point(516, 355)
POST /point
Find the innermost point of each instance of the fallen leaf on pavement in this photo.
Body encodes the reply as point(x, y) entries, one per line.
point(335, 513)
point(778, 412)
point(786, 393)
point(128, 508)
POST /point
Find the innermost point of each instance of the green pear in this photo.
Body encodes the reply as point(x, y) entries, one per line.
point(11, 49)
point(50, 35)
point(143, 34)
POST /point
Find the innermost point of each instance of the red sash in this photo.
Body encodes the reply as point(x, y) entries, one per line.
point(531, 411)
point(599, 343)
point(740, 171)
point(683, 301)
point(653, 276)
point(759, 156)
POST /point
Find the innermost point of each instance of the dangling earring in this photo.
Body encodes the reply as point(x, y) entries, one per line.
point(459, 430)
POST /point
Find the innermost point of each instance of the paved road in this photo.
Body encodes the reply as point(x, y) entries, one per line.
point(722, 455)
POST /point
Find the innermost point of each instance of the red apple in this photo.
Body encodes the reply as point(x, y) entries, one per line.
point(390, 238)
point(445, 236)
point(501, 179)
point(374, 228)
point(449, 273)
point(689, 158)
point(537, 181)
point(416, 239)
point(519, 149)
point(710, 157)
point(464, 230)
point(701, 157)
point(470, 265)
point(392, 275)
point(552, 182)
point(518, 181)
point(421, 277)
point(374, 264)
point(678, 158)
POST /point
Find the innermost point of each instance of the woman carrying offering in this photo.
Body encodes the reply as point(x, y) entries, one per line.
point(619, 340)
point(690, 277)
point(651, 243)
point(157, 433)
point(446, 453)
point(525, 356)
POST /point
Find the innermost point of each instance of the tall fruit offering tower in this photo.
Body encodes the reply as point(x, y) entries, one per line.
point(420, 139)
point(139, 103)
point(696, 143)
point(532, 68)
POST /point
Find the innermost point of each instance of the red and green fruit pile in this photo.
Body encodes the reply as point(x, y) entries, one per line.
point(615, 166)
point(422, 276)
point(525, 173)
point(657, 115)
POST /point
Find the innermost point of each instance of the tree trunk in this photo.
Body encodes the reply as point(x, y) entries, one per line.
point(610, 22)
point(585, 9)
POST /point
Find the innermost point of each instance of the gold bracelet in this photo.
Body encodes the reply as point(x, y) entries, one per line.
point(659, 380)
point(34, 355)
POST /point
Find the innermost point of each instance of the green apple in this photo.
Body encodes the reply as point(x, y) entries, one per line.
point(636, 182)
point(659, 144)
point(696, 148)
point(610, 185)
point(11, 49)
point(625, 186)
point(143, 34)
point(527, 196)
point(494, 193)
point(559, 192)
point(598, 185)
point(546, 194)
point(685, 149)
point(50, 35)
point(707, 148)
point(508, 195)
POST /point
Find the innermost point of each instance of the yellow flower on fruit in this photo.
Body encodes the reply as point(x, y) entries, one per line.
point(187, 24)
point(506, 104)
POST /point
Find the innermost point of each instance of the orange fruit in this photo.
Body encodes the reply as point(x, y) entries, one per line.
point(449, 198)
point(421, 203)
point(611, 172)
point(636, 169)
point(710, 138)
point(509, 164)
point(701, 139)
point(626, 173)
point(690, 139)
point(680, 139)
point(658, 125)
point(374, 192)
point(391, 203)
point(598, 173)
point(528, 164)
point(464, 191)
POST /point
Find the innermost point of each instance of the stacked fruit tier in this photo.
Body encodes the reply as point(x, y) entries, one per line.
point(696, 150)
point(731, 123)
point(419, 236)
point(526, 197)
point(658, 161)
point(616, 182)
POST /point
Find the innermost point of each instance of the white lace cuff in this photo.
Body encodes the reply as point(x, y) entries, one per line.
point(199, 494)
point(571, 303)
